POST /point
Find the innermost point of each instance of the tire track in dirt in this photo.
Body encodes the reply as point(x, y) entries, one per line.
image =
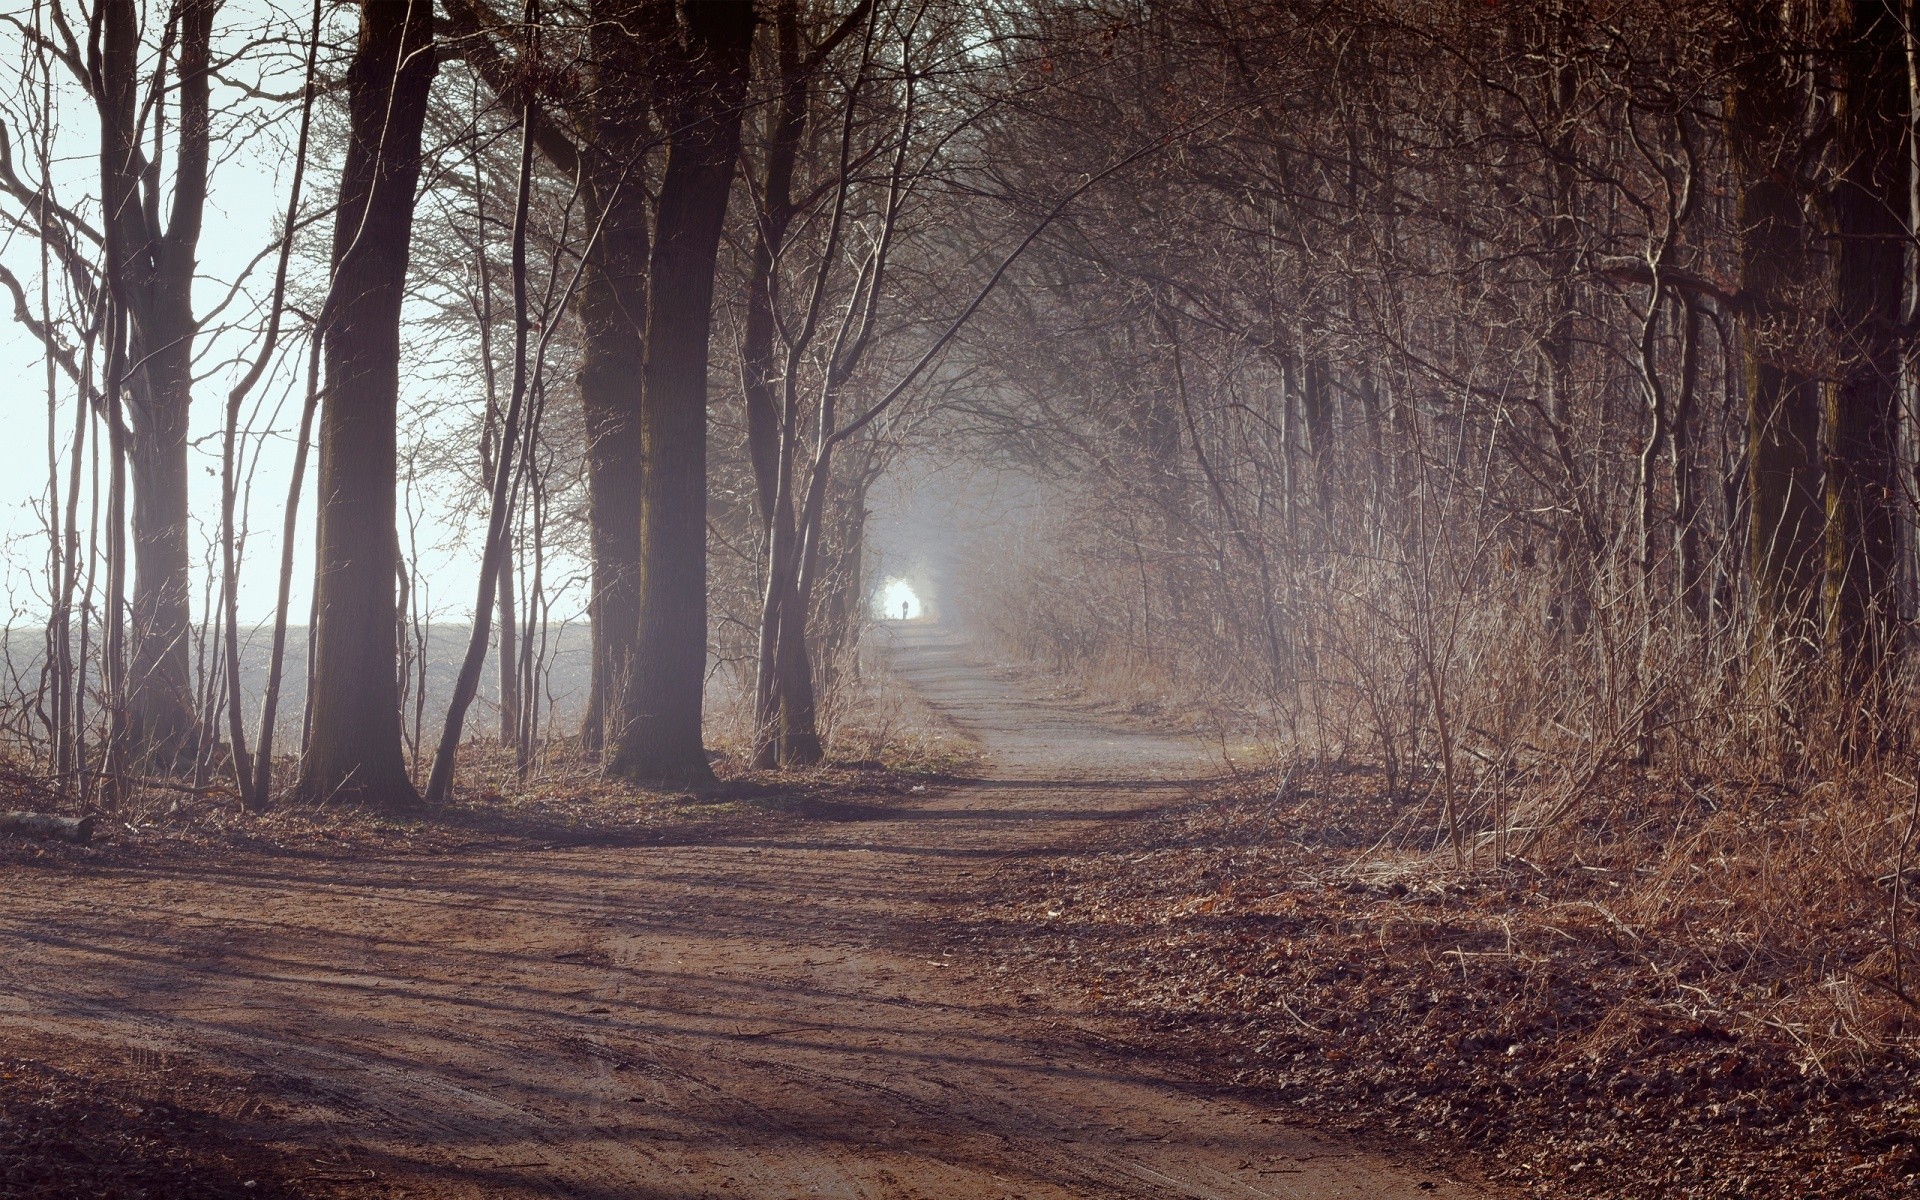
point(748, 1016)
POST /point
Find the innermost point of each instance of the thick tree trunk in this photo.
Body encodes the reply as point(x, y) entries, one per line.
point(799, 716)
point(612, 303)
point(613, 317)
point(47, 825)
point(660, 737)
point(354, 749)
point(1909, 447)
point(162, 728)
point(1767, 113)
point(1783, 485)
point(1862, 409)
point(151, 277)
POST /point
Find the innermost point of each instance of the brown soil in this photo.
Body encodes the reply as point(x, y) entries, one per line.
point(777, 1010)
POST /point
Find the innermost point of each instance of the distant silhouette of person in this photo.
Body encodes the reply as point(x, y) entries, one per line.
point(904, 606)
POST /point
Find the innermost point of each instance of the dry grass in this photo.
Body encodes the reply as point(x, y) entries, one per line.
point(1681, 1007)
point(1672, 951)
point(883, 743)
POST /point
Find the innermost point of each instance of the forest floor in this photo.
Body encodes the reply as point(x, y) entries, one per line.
point(1506, 1015)
point(781, 993)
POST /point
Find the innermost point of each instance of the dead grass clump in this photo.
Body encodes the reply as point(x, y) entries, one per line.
point(1687, 1000)
point(866, 718)
point(492, 807)
point(1776, 912)
point(875, 719)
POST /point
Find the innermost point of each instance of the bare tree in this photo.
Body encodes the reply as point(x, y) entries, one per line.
point(703, 84)
point(353, 750)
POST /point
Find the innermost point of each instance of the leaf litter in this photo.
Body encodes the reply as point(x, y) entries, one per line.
point(1584, 1028)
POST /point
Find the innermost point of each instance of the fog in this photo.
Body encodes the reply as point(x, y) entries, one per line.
point(1374, 547)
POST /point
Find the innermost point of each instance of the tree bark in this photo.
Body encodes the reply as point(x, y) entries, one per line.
point(509, 649)
point(1689, 573)
point(161, 727)
point(153, 271)
point(613, 318)
point(1767, 114)
point(1862, 406)
point(354, 749)
point(800, 744)
point(47, 825)
point(660, 735)
point(769, 433)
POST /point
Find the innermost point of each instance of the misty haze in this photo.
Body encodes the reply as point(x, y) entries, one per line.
point(924, 599)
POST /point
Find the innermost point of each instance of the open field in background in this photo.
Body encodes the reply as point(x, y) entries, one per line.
point(565, 673)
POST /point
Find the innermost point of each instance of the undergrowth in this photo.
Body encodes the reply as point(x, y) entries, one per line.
point(1688, 995)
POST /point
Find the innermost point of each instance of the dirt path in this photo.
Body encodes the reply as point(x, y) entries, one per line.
point(746, 1017)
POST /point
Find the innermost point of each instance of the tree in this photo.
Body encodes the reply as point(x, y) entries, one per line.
point(1864, 491)
point(1817, 123)
point(148, 277)
point(1768, 112)
point(702, 85)
point(156, 269)
point(603, 137)
point(784, 701)
point(354, 747)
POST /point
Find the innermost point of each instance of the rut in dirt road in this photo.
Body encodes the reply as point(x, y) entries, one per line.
point(750, 1016)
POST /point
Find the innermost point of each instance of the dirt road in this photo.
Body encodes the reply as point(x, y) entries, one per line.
point(765, 1016)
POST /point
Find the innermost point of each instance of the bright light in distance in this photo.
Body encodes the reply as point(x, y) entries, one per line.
point(898, 601)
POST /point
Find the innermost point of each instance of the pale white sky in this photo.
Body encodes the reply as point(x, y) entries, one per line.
point(248, 196)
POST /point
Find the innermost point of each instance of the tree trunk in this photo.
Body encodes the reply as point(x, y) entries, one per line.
point(841, 613)
point(1783, 486)
point(354, 750)
point(1689, 572)
point(660, 736)
point(1910, 357)
point(609, 381)
point(769, 429)
point(48, 825)
point(774, 606)
point(509, 649)
point(613, 317)
point(1767, 112)
point(799, 718)
point(161, 726)
point(151, 276)
point(1863, 405)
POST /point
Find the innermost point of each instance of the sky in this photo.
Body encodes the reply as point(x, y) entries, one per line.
point(247, 201)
